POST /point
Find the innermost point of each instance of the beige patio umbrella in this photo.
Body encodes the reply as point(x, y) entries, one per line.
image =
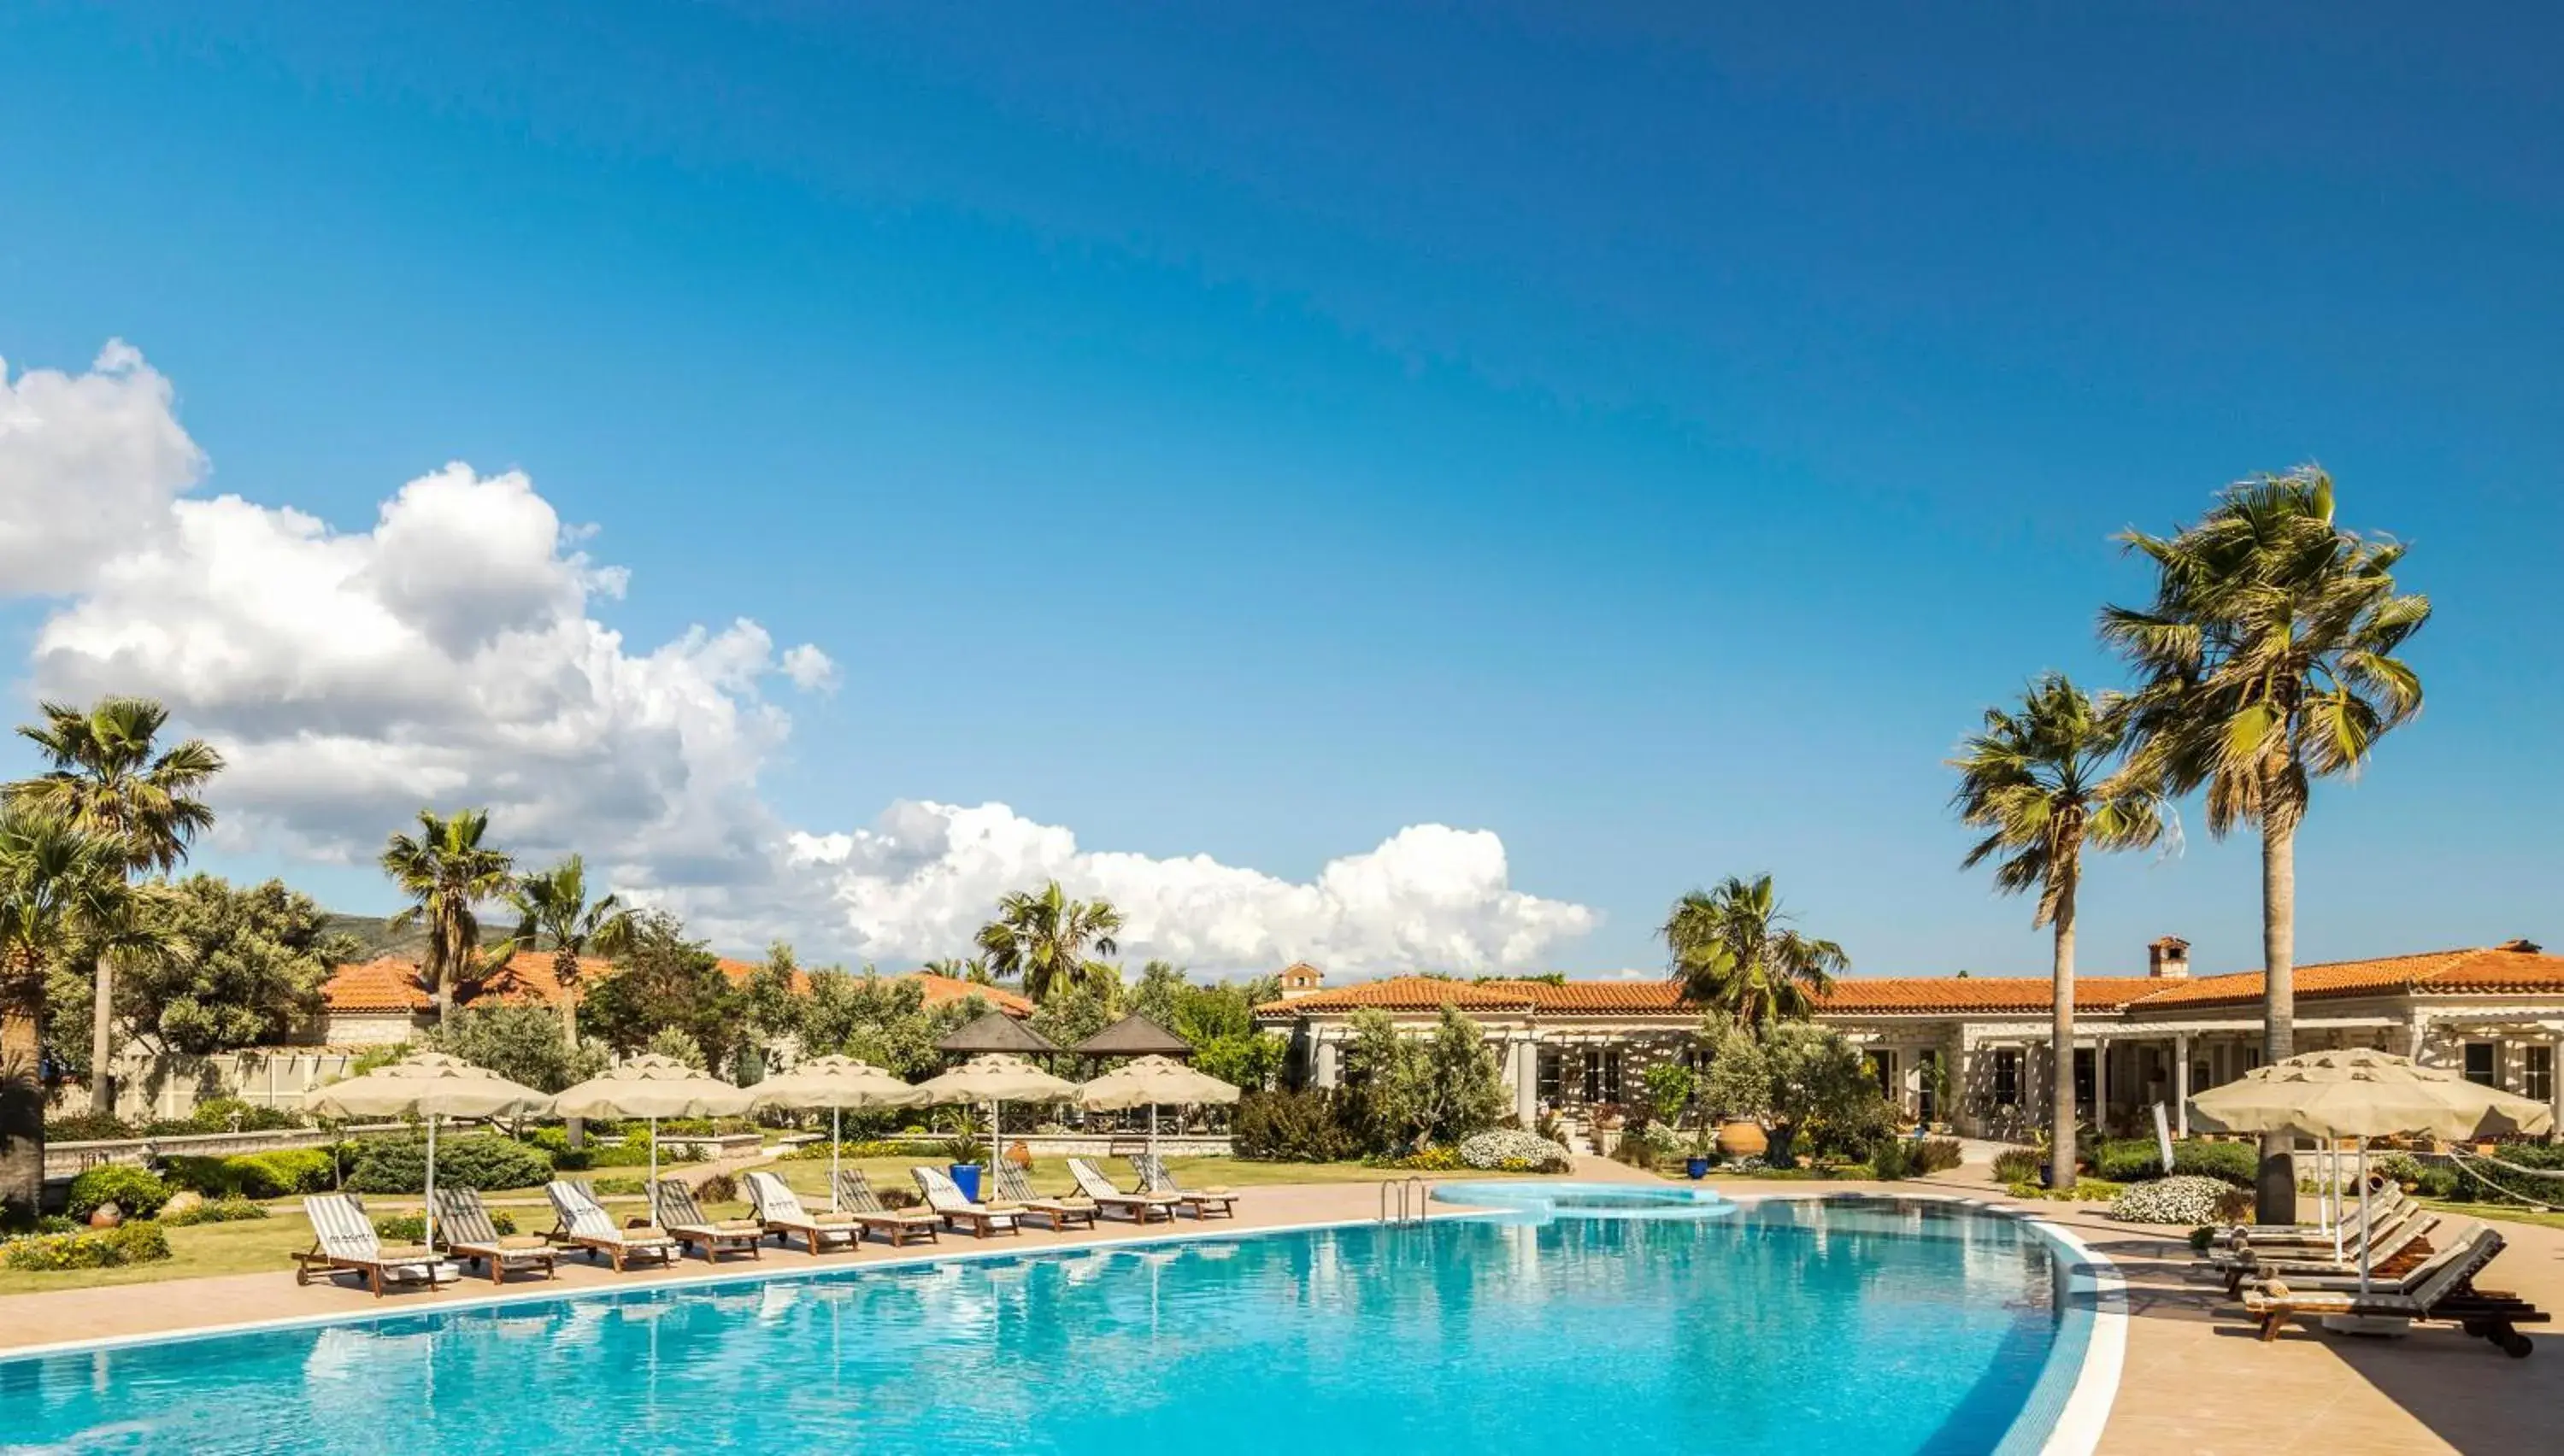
point(652, 1086)
point(996, 1079)
point(428, 1086)
point(841, 1084)
point(2363, 1094)
point(1152, 1082)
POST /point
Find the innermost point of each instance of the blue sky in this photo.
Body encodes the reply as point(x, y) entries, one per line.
point(1649, 437)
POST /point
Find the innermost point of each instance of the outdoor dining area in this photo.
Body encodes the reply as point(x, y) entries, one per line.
point(989, 1196)
point(2376, 1261)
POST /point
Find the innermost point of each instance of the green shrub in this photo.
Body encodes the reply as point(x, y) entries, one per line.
point(871, 1147)
point(1935, 1155)
point(88, 1128)
point(1295, 1127)
point(285, 1173)
point(633, 1153)
point(1440, 1158)
point(137, 1192)
point(411, 1228)
point(636, 1187)
point(719, 1189)
point(216, 1211)
point(484, 1162)
point(139, 1242)
point(1894, 1159)
point(2020, 1165)
point(2136, 1160)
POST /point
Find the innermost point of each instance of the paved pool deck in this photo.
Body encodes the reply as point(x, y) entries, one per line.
point(2195, 1379)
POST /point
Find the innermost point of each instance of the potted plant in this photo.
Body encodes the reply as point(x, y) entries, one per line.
point(1738, 1090)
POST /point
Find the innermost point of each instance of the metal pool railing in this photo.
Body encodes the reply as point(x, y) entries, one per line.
point(1405, 1212)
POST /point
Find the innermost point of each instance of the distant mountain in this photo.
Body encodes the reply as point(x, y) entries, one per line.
point(374, 932)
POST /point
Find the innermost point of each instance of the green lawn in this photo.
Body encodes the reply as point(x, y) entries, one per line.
point(267, 1244)
point(2500, 1211)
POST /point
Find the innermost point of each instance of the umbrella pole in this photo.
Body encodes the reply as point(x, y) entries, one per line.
point(996, 1111)
point(2332, 1189)
point(1153, 1138)
point(2363, 1215)
point(431, 1194)
point(654, 1172)
point(836, 1138)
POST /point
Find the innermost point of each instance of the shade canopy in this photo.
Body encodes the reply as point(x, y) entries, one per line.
point(1150, 1082)
point(997, 1033)
point(653, 1085)
point(428, 1084)
point(997, 1078)
point(840, 1084)
point(2366, 1093)
point(1135, 1035)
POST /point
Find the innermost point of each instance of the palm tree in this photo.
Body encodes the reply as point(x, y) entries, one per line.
point(60, 890)
point(104, 780)
point(554, 906)
point(975, 971)
point(2267, 661)
point(2039, 782)
point(448, 874)
point(1044, 937)
point(1732, 954)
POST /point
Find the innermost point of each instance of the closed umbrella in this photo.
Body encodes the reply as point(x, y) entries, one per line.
point(428, 1086)
point(653, 1087)
point(1150, 1082)
point(841, 1084)
point(996, 1079)
point(2363, 1094)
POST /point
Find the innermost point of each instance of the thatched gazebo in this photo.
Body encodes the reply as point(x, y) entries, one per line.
point(1135, 1035)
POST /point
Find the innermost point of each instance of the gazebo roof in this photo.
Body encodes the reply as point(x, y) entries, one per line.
point(997, 1033)
point(1133, 1035)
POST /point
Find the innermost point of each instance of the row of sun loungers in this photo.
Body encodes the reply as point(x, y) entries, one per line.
point(345, 1240)
point(2419, 1268)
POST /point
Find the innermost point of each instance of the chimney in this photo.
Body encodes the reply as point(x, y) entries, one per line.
point(2521, 947)
point(1300, 978)
point(2168, 958)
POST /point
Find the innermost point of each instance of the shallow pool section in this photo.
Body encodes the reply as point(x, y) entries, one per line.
point(1805, 1327)
point(1586, 1200)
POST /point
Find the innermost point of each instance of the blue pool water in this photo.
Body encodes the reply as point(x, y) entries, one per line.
point(1844, 1326)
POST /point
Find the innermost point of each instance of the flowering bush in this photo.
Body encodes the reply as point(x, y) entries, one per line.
point(1513, 1150)
point(134, 1243)
point(137, 1192)
point(2184, 1198)
point(411, 1228)
point(875, 1147)
point(213, 1211)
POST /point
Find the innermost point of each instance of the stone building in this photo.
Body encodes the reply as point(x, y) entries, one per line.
point(1972, 1051)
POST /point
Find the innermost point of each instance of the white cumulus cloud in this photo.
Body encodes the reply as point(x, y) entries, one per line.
point(449, 655)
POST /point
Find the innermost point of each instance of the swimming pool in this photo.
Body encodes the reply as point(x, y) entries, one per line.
point(1810, 1326)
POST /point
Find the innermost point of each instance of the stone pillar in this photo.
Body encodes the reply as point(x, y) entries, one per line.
point(2101, 1085)
point(2555, 1084)
point(1326, 1060)
point(2181, 1085)
point(1526, 1064)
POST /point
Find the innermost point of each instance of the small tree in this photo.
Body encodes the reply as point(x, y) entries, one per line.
point(521, 1043)
point(1462, 1091)
point(1671, 1088)
point(669, 983)
point(1821, 1092)
point(1739, 1084)
point(677, 1045)
point(245, 966)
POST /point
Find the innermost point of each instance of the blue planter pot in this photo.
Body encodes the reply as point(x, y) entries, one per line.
point(965, 1177)
point(1695, 1167)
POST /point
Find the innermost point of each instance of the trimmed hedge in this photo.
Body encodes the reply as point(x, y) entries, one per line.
point(282, 1173)
point(218, 1210)
point(141, 1242)
point(137, 1192)
point(2136, 1160)
point(411, 1228)
point(481, 1162)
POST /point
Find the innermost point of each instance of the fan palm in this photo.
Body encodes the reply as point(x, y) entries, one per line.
point(1733, 953)
point(552, 906)
point(105, 779)
point(2268, 660)
point(2039, 780)
point(1045, 937)
point(448, 874)
point(59, 889)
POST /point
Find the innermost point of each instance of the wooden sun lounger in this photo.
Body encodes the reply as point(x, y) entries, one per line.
point(584, 1224)
point(779, 1212)
point(866, 1207)
point(1140, 1206)
point(467, 1233)
point(2402, 1250)
point(685, 1219)
point(2388, 1204)
point(944, 1196)
point(1154, 1178)
point(345, 1241)
point(1014, 1186)
point(2440, 1290)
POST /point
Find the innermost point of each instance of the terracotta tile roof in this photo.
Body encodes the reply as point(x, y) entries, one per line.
point(386, 984)
point(1919, 994)
point(2484, 970)
point(943, 988)
point(1410, 994)
point(1590, 996)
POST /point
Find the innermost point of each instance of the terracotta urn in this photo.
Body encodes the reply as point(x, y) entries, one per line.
point(106, 1216)
point(1742, 1138)
point(1021, 1154)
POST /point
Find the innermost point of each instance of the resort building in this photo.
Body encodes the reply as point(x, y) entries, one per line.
point(1971, 1052)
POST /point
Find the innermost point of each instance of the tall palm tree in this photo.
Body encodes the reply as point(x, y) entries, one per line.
point(2039, 782)
point(448, 874)
point(2266, 660)
point(975, 971)
point(552, 906)
point(105, 780)
point(1733, 953)
point(1045, 937)
point(59, 889)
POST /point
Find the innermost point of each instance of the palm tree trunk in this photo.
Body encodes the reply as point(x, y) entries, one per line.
point(21, 1093)
point(101, 1039)
point(2275, 1190)
point(2060, 1061)
point(577, 1127)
